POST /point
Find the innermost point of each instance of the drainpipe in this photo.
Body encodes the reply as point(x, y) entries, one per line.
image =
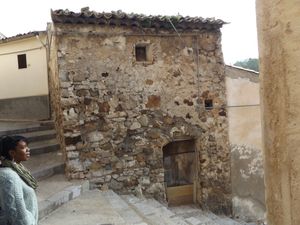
point(47, 61)
point(38, 37)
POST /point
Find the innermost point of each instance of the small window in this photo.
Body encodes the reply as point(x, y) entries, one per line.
point(22, 62)
point(140, 53)
point(208, 104)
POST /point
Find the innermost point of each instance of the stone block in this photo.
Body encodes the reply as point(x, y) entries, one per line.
point(95, 136)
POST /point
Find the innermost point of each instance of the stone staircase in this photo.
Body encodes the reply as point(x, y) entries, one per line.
point(62, 202)
point(46, 164)
point(97, 207)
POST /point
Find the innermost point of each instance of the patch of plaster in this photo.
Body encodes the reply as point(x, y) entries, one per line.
point(247, 183)
point(247, 209)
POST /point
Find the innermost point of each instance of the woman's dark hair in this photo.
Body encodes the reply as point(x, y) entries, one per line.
point(10, 143)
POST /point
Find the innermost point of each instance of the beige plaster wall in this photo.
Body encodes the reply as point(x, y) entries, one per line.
point(247, 175)
point(245, 126)
point(30, 81)
point(279, 49)
point(242, 89)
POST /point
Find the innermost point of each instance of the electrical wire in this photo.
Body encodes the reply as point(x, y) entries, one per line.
point(196, 60)
point(21, 51)
point(177, 32)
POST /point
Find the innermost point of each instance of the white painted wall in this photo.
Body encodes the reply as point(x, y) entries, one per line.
point(30, 81)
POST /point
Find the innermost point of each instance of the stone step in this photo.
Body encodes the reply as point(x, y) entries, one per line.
point(129, 215)
point(155, 212)
point(228, 221)
point(193, 215)
point(91, 208)
point(106, 207)
point(11, 128)
point(39, 135)
point(45, 165)
point(56, 191)
point(44, 146)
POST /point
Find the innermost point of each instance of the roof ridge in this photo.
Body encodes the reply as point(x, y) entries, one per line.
point(133, 19)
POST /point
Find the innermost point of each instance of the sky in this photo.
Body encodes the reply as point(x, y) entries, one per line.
point(239, 37)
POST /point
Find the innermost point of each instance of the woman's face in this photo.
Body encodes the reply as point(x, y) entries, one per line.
point(21, 152)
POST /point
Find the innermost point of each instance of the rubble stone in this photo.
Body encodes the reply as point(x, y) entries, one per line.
point(120, 112)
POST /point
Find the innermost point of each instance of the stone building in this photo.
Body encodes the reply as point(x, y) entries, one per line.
point(140, 104)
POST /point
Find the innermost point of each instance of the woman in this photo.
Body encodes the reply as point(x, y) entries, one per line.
point(18, 203)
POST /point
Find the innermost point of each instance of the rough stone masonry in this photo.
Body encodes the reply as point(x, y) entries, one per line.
point(125, 85)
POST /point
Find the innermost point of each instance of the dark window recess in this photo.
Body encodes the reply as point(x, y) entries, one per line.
point(22, 62)
point(208, 103)
point(140, 53)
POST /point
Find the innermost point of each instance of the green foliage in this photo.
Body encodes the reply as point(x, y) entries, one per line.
point(250, 63)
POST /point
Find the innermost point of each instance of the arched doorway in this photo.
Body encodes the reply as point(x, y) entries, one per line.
point(179, 167)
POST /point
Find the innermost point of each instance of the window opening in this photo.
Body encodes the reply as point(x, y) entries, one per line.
point(140, 53)
point(22, 62)
point(208, 104)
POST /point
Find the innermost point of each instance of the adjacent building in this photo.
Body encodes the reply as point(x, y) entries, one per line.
point(24, 77)
point(245, 137)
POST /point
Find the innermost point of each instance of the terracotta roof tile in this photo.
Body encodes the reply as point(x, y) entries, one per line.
point(119, 18)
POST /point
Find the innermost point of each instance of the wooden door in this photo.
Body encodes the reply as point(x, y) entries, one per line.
point(179, 158)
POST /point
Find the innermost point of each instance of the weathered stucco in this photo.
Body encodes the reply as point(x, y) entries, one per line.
point(244, 118)
point(248, 196)
point(279, 49)
point(117, 114)
point(242, 88)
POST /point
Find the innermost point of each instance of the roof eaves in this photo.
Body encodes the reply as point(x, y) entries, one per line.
point(244, 69)
point(21, 36)
point(119, 18)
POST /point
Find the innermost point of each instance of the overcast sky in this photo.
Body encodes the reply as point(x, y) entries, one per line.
point(239, 38)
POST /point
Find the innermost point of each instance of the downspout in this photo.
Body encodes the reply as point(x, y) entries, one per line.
point(47, 61)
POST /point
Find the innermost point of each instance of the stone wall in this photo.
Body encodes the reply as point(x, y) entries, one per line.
point(118, 113)
point(54, 87)
point(25, 108)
